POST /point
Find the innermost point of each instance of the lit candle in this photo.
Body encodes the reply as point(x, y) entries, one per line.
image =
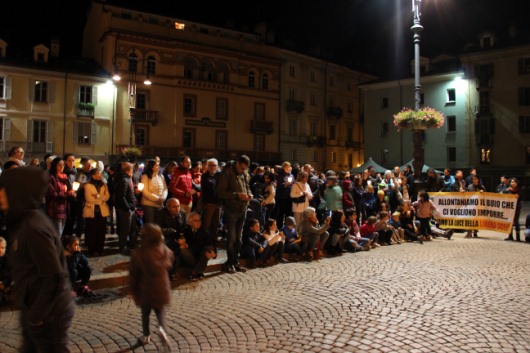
point(290, 179)
point(140, 186)
point(75, 186)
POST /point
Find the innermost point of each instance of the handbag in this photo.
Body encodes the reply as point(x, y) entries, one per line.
point(299, 199)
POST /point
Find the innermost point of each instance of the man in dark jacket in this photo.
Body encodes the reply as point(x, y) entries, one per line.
point(125, 204)
point(211, 206)
point(42, 285)
point(233, 189)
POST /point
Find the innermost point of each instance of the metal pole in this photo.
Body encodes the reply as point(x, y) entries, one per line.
point(417, 137)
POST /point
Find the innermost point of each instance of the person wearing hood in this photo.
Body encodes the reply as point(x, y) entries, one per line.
point(38, 267)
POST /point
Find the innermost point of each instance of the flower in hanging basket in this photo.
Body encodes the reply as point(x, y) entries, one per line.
point(423, 118)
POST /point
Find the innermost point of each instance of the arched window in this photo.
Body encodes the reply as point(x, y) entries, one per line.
point(222, 73)
point(133, 62)
point(190, 69)
point(265, 81)
point(251, 79)
point(151, 65)
point(207, 71)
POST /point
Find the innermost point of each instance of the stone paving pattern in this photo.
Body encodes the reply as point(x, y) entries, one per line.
point(463, 295)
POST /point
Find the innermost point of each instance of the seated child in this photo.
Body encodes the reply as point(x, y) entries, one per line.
point(292, 239)
point(367, 230)
point(355, 240)
point(255, 247)
point(275, 240)
point(384, 229)
point(339, 233)
point(78, 267)
point(5, 277)
point(399, 232)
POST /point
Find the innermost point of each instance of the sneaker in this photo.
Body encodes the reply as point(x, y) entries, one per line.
point(420, 239)
point(165, 339)
point(143, 340)
point(449, 233)
point(193, 277)
point(240, 268)
point(230, 269)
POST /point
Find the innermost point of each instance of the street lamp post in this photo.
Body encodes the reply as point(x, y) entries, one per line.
point(131, 87)
point(417, 137)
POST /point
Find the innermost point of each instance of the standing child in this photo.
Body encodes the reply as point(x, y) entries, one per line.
point(425, 209)
point(149, 280)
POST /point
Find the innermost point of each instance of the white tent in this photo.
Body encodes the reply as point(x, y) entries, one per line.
point(423, 170)
point(369, 163)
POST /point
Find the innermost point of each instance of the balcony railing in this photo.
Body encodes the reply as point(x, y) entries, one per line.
point(169, 153)
point(334, 112)
point(319, 141)
point(294, 105)
point(261, 126)
point(352, 144)
point(145, 116)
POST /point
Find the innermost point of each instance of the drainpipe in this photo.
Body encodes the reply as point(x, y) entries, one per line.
point(64, 112)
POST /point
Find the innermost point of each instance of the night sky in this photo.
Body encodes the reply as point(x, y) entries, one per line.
point(369, 35)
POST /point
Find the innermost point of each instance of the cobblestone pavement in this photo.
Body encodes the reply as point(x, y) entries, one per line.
point(463, 295)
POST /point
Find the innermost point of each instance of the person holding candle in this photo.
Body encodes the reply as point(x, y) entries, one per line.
point(58, 192)
point(154, 191)
point(96, 212)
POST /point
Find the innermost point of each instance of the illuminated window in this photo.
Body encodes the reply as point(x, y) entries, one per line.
point(180, 26)
point(485, 155)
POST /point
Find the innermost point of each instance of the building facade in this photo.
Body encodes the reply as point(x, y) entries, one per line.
point(51, 106)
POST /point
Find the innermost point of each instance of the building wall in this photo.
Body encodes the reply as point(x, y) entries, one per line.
point(389, 146)
point(60, 113)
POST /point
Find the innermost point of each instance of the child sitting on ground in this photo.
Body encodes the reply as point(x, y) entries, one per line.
point(399, 232)
point(292, 239)
point(255, 247)
point(275, 240)
point(355, 234)
point(367, 230)
point(385, 230)
point(5, 277)
point(78, 267)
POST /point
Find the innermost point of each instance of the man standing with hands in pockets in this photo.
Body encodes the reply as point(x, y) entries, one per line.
point(233, 189)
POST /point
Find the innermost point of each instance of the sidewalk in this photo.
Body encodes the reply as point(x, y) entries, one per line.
point(112, 269)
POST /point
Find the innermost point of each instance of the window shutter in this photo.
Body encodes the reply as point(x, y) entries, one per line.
point(75, 132)
point(49, 137)
point(94, 95)
point(76, 93)
point(31, 93)
point(8, 82)
point(51, 92)
point(7, 129)
point(29, 138)
point(93, 133)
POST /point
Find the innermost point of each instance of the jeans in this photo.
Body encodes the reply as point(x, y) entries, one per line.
point(126, 227)
point(149, 213)
point(235, 222)
point(311, 240)
point(211, 214)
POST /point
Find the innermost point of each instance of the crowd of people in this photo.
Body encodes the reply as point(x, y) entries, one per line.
point(264, 214)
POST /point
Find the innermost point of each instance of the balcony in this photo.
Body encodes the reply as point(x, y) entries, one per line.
point(292, 105)
point(334, 112)
point(483, 82)
point(261, 126)
point(352, 144)
point(319, 141)
point(144, 116)
point(85, 110)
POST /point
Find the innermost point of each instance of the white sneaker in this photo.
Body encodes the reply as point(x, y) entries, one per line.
point(165, 339)
point(143, 340)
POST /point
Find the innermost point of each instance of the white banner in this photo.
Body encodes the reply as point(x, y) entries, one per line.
point(475, 210)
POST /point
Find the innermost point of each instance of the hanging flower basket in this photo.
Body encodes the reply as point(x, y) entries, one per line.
point(418, 120)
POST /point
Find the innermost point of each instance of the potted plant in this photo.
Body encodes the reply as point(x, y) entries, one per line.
point(86, 106)
point(132, 153)
point(418, 119)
